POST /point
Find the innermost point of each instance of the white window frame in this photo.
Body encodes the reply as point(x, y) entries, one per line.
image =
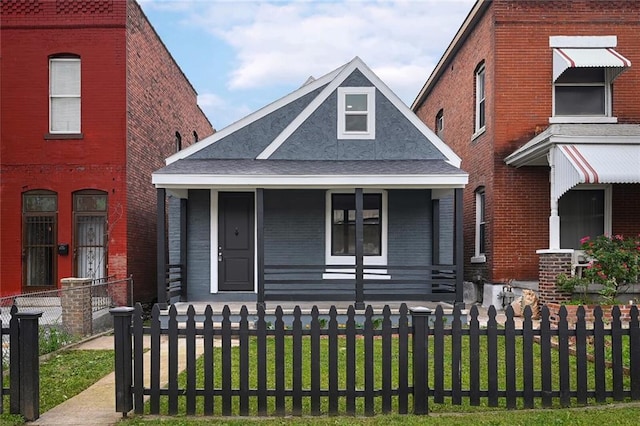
point(608, 203)
point(607, 117)
point(439, 122)
point(481, 206)
point(53, 96)
point(371, 112)
point(480, 77)
point(380, 260)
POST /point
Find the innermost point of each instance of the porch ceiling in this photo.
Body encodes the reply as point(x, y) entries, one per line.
point(309, 173)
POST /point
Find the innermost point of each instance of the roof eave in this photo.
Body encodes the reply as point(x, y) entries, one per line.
point(474, 16)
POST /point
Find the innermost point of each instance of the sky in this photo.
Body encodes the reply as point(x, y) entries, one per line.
point(242, 55)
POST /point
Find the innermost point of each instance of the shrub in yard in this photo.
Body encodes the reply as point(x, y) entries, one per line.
point(613, 262)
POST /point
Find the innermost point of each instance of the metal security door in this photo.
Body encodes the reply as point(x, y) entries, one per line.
point(235, 241)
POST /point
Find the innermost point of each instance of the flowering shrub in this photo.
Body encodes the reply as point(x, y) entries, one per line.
point(614, 262)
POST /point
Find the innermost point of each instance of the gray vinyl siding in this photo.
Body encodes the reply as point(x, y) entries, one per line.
point(199, 244)
point(396, 137)
point(252, 139)
point(409, 230)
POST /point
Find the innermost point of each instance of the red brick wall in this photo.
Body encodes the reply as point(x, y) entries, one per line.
point(160, 102)
point(31, 31)
point(134, 98)
point(513, 38)
point(454, 92)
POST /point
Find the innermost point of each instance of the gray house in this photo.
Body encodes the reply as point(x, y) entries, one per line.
point(336, 192)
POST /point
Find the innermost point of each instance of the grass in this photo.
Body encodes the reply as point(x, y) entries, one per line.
point(446, 407)
point(69, 373)
point(64, 375)
point(610, 415)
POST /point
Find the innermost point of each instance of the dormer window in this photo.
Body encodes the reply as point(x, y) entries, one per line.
point(584, 68)
point(356, 113)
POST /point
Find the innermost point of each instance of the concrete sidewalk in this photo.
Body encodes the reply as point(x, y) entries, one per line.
point(96, 405)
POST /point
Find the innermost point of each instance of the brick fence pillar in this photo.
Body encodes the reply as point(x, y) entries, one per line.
point(553, 263)
point(77, 315)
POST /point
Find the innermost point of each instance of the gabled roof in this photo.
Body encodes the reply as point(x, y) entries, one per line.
point(319, 91)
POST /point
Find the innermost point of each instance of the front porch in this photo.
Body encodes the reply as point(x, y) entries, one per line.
point(421, 263)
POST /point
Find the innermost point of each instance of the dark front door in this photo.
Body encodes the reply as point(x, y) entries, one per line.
point(235, 241)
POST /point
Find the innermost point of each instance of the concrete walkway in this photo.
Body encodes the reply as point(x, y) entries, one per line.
point(96, 404)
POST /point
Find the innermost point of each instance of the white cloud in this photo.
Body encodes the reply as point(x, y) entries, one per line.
point(261, 50)
point(282, 43)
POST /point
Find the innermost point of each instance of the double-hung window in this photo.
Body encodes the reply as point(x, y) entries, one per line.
point(584, 68)
point(64, 95)
point(582, 92)
point(480, 99)
point(440, 122)
point(480, 248)
point(356, 113)
point(341, 228)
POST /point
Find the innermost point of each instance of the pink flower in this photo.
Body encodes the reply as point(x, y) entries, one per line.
point(585, 239)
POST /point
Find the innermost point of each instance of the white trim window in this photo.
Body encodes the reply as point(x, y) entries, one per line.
point(340, 227)
point(582, 92)
point(440, 122)
point(480, 98)
point(64, 95)
point(356, 112)
point(481, 234)
point(584, 211)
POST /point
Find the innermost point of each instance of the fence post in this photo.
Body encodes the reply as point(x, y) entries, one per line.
point(123, 358)
point(420, 324)
point(29, 364)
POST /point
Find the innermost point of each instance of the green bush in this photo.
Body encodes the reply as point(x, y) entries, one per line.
point(613, 262)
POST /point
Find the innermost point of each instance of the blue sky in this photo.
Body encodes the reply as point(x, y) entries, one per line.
point(242, 55)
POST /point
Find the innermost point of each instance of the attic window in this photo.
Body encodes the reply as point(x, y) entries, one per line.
point(356, 113)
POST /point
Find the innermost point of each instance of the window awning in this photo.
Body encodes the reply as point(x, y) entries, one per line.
point(587, 57)
point(575, 164)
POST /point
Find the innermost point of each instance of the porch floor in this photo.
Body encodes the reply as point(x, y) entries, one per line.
point(305, 307)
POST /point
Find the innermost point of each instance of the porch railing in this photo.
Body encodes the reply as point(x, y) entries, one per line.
point(337, 282)
point(174, 281)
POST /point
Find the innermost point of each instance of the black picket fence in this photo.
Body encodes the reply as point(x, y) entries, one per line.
point(23, 366)
point(374, 367)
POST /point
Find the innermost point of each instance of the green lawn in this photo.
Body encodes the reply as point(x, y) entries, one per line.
point(64, 375)
point(610, 415)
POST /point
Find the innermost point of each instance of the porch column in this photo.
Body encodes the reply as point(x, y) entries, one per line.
point(554, 218)
point(359, 250)
point(183, 250)
point(459, 247)
point(260, 244)
point(161, 240)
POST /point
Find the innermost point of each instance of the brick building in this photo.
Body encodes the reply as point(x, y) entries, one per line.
point(539, 99)
point(91, 103)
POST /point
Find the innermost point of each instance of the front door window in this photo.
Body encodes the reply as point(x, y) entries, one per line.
point(90, 213)
point(39, 214)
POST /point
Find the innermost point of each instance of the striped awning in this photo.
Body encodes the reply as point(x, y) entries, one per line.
point(587, 163)
point(587, 57)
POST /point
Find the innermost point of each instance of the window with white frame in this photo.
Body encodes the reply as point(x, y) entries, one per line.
point(584, 211)
point(480, 242)
point(64, 95)
point(341, 226)
point(583, 92)
point(356, 113)
point(440, 122)
point(480, 98)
